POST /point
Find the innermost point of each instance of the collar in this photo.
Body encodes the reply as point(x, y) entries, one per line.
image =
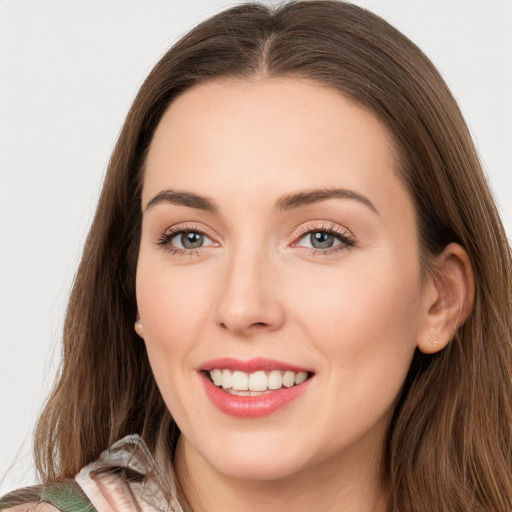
point(126, 477)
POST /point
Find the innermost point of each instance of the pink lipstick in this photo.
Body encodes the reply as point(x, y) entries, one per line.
point(253, 388)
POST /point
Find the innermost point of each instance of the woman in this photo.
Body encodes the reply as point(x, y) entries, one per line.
point(296, 288)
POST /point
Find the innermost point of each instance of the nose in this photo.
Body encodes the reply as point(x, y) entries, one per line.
point(249, 298)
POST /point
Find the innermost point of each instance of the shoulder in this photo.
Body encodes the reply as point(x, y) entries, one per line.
point(24, 500)
point(64, 496)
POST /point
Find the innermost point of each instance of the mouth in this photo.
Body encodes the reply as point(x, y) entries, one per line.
point(240, 383)
point(255, 388)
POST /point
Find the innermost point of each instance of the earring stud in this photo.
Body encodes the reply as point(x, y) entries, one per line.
point(138, 327)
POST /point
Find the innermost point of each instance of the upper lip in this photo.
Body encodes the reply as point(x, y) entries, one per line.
point(250, 365)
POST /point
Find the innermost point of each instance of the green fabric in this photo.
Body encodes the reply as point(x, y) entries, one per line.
point(67, 497)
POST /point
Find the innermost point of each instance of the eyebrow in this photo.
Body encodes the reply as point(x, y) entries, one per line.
point(307, 197)
point(184, 199)
point(284, 203)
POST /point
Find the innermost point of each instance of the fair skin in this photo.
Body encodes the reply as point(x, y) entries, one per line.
point(332, 285)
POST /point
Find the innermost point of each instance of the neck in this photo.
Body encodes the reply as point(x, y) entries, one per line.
point(334, 485)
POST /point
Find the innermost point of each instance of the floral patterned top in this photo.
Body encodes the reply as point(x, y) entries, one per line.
point(124, 478)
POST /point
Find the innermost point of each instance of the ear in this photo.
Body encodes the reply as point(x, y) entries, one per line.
point(449, 296)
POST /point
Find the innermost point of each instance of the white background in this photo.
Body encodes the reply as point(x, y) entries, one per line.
point(69, 70)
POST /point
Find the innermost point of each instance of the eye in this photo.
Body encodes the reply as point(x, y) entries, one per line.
point(325, 240)
point(182, 240)
point(189, 240)
point(321, 240)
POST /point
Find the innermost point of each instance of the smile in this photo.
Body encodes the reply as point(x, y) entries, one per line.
point(254, 388)
point(241, 383)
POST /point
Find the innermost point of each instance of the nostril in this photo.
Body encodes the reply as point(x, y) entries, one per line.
point(234, 327)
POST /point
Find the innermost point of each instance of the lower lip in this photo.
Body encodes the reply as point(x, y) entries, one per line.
point(252, 406)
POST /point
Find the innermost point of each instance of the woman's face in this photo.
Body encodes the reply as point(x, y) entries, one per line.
point(277, 244)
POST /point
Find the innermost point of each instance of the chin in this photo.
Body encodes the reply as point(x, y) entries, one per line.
point(253, 469)
point(258, 460)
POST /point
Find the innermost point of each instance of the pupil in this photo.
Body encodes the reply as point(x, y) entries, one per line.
point(321, 240)
point(192, 240)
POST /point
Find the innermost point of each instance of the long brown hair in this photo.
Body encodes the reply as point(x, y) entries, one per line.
point(449, 443)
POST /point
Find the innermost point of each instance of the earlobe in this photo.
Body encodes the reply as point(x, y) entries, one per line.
point(449, 298)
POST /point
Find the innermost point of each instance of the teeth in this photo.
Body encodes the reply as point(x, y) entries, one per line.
point(227, 379)
point(275, 380)
point(216, 376)
point(240, 381)
point(301, 377)
point(246, 393)
point(256, 383)
point(289, 379)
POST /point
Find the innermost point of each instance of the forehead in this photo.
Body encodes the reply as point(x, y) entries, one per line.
point(278, 135)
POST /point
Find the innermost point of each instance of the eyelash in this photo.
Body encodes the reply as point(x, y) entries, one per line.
point(346, 241)
point(165, 240)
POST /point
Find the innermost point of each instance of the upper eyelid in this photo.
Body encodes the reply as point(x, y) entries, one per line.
point(298, 233)
point(178, 228)
point(324, 226)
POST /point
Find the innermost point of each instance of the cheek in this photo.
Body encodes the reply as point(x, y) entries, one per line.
point(170, 303)
point(365, 319)
point(171, 306)
point(364, 325)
